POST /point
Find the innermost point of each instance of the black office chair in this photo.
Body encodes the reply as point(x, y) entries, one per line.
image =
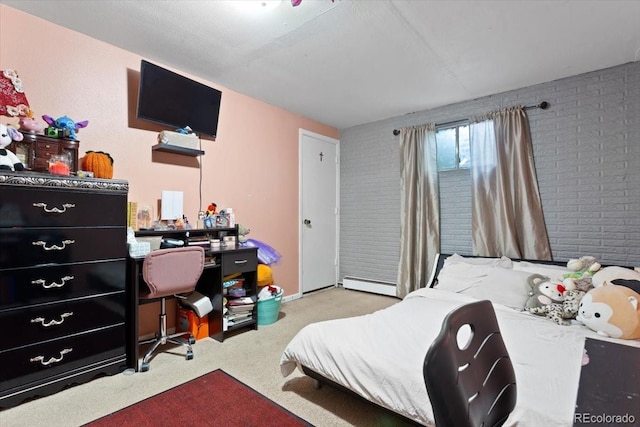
point(169, 272)
point(471, 384)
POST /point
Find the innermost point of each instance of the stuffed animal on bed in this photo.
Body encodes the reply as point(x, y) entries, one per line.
point(611, 311)
point(571, 303)
point(609, 274)
point(583, 270)
point(546, 299)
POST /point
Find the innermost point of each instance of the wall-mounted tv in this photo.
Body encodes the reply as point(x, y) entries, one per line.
point(171, 99)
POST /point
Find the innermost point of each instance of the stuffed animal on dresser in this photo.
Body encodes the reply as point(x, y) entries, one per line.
point(8, 160)
point(66, 125)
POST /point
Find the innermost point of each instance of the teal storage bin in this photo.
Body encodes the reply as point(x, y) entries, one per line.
point(269, 309)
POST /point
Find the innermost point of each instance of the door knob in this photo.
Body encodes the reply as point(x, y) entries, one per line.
point(307, 222)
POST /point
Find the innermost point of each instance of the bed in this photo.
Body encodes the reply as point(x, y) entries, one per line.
point(380, 356)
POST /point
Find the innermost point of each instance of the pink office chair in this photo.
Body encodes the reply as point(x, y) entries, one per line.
point(169, 272)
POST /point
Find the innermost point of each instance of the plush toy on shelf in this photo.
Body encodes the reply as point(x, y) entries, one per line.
point(98, 162)
point(8, 160)
point(242, 233)
point(65, 125)
point(29, 124)
point(611, 311)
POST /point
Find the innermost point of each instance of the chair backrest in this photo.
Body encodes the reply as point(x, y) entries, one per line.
point(471, 383)
point(172, 271)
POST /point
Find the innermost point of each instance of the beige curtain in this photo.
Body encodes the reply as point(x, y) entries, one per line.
point(420, 207)
point(507, 214)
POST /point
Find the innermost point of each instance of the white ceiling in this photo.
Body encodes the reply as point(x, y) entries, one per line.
point(346, 63)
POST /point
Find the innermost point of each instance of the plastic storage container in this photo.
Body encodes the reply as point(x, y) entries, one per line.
point(268, 309)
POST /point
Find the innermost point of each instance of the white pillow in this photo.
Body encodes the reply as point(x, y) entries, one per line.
point(502, 286)
point(553, 272)
point(460, 276)
point(497, 284)
point(503, 262)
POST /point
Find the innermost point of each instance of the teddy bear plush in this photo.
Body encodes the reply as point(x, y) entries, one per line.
point(611, 311)
point(242, 233)
point(546, 299)
point(583, 270)
point(8, 160)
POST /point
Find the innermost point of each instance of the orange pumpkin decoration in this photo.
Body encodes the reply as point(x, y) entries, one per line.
point(98, 162)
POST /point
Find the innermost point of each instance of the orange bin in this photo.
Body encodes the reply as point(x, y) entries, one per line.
point(188, 321)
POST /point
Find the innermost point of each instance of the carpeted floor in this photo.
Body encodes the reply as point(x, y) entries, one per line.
point(215, 398)
point(252, 357)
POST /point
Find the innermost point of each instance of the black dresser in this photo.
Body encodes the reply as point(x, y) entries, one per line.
point(62, 282)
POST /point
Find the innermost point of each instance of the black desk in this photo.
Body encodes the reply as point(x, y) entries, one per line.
point(609, 385)
point(219, 263)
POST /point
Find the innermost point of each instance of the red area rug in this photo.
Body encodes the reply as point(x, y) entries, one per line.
point(214, 399)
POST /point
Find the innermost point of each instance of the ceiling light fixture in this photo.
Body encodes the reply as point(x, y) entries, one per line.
point(268, 4)
point(256, 6)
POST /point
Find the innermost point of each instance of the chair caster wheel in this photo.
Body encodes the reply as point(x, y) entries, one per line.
point(192, 340)
point(189, 355)
point(144, 367)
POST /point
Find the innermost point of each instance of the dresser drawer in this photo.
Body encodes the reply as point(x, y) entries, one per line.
point(40, 207)
point(50, 321)
point(46, 149)
point(21, 287)
point(50, 359)
point(35, 246)
point(239, 261)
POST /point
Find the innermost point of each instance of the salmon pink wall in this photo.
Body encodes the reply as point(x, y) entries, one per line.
point(252, 166)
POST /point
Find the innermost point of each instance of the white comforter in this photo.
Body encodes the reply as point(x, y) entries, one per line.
point(380, 357)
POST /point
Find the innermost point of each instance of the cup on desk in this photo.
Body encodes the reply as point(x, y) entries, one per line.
point(230, 241)
point(215, 244)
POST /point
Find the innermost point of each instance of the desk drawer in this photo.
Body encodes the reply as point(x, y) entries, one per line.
point(39, 207)
point(46, 322)
point(239, 261)
point(21, 287)
point(49, 359)
point(34, 246)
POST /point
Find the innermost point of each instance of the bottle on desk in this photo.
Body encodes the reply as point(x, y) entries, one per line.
point(232, 217)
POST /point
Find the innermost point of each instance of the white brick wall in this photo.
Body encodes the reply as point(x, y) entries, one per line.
point(587, 154)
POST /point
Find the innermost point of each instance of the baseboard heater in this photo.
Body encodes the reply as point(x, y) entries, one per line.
point(369, 285)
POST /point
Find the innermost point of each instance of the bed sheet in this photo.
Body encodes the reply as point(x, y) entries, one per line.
point(380, 357)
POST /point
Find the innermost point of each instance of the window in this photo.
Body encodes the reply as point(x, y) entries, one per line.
point(452, 144)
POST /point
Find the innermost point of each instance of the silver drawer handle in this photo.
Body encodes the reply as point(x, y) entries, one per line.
point(242, 261)
point(53, 322)
point(53, 359)
point(44, 285)
point(54, 210)
point(53, 247)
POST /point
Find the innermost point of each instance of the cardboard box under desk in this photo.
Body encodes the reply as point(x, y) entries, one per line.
point(188, 321)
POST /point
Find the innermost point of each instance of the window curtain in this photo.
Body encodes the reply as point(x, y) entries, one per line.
point(420, 207)
point(507, 214)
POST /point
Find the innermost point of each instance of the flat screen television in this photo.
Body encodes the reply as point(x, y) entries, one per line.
point(170, 99)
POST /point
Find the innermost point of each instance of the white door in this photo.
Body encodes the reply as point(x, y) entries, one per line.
point(319, 180)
